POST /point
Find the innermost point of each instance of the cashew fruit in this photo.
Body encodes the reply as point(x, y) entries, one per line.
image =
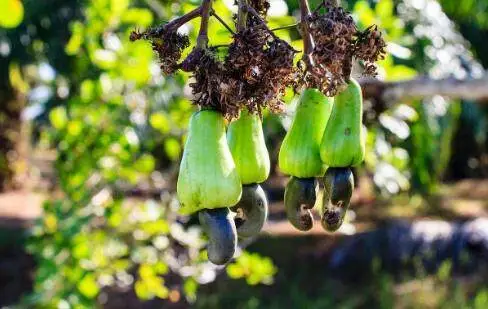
point(221, 231)
point(300, 197)
point(252, 211)
point(343, 143)
point(338, 187)
point(246, 142)
point(208, 178)
point(300, 152)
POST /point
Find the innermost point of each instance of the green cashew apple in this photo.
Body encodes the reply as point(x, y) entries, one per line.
point(246, 142)
point(300, 152)
point(208, 178)
point(344, 140)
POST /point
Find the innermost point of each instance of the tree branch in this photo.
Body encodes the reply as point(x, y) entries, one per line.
point(470, 88)
point(308, 43)
point(206, 8)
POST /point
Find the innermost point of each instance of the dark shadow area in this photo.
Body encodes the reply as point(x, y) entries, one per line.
point(16, 266)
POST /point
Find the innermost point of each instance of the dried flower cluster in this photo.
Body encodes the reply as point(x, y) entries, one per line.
point(168, 45)
point(337, 43)
point(209, 87)
point(261, 6)
point(370, 47)
point(260, 67)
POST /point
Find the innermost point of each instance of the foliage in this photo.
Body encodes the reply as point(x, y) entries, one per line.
point(119, 115)
point(101, 102)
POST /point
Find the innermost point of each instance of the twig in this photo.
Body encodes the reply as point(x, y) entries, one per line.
point(214, 14)
point(220, 46)
point(202, 40)
point(470, 88)
point(174, 24)
point(243, 8)
point(308, 43)
point(285, 27)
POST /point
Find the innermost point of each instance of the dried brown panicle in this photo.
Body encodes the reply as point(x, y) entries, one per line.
point(261, 6)
point(334, 35)
point(370, 47)
point(337, 43)
point(168, 45)
point(209, 88)
point(260, 67)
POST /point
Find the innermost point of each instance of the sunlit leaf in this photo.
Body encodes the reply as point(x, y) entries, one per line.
point(11, 13)
point(145, 164)
point(76, 40)
point(384, 9)
point(138, 16)
point(172, 147)
point(88, 286)
point(58, 118)
point(160, 122)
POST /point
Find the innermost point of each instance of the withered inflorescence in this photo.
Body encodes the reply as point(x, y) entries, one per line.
point(209, 87)
point(260, 67)
point(261, 6)
point(169, 46)
point(337, 43)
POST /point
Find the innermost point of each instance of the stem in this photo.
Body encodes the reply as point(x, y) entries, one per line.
point(214, 14)
point(242, 15)
point(220, 46)
point(175, 24)
point(202, 40)
point(285, 27)
point(308, 44)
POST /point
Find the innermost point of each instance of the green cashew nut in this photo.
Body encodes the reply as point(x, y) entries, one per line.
point(252, 211)
point(339, 184)
point(221, 231)
point(300, 196)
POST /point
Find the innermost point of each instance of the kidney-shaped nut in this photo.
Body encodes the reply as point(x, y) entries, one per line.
point(300, 196)
point(221, 231)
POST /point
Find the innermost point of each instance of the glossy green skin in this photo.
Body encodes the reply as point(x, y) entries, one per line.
point(246, 142)
point(208, 178)
point(339, 184)
point(221, 231)
point(300, 152)
point(254, 208)
point(300, 196)
point(344, 140)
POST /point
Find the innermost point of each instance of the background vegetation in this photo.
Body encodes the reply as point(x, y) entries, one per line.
point(73, 87)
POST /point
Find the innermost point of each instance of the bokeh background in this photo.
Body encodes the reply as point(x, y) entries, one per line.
point(91, 134)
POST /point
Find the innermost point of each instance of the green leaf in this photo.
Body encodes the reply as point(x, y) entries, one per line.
point(160, 122)
point(364, 12)
point(172, 148)
point(87, 90)
point(104, 59)
point(11, 13)
point(58, 118)
point(384, 9)
point(74, 44)
point(138, 16)
point(145, 164)
point(88, 286)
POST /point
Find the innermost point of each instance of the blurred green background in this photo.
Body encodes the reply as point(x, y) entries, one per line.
point(92, 133)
